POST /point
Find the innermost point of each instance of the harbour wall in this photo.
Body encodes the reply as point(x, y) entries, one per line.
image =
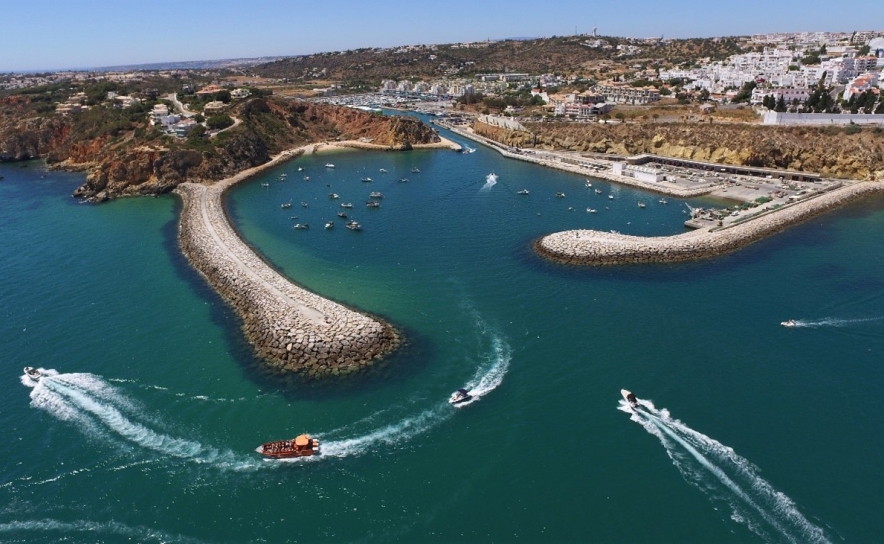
point(292, 329)
point(590, 247)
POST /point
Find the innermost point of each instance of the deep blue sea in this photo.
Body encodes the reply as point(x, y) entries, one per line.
point(147, 428)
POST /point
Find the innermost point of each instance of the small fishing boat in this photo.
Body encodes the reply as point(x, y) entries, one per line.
point(300, 169)
point(329, 165)
point(372, 204)
point(459, 396)
point(301, 226)
point(342, 215)
point(265, 185)
point(383, 170)
point(560, 195)
point(522, 192)
point(333, 196)
point(353, 225)
point(304, 204)
point(610, 197)
point(641, 204)
point(330, 225)
point(629, 397)
point(286, 205)
point(366, 180)
point(590, 210)
point(415, 170)
point(301, 446)
point(588, 183)
point(346, 205)
point(789, 323)
point(403, 180)
point(376, 194)
point(306, 178)
point(598, 191)
point(33, 373)
point(663, 201)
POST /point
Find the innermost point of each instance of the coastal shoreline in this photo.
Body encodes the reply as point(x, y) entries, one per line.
point(291, 328)
point(596, 248)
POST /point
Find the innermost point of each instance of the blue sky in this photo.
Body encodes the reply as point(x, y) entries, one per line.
point(57, 34)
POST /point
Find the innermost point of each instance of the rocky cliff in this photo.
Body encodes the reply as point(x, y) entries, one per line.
point(833, 152)
point(131, 159)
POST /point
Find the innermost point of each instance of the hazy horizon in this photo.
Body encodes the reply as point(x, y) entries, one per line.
point(87, 35)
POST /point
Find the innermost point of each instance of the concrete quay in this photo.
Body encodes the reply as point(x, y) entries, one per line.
point(590, 247)
point(291, 328)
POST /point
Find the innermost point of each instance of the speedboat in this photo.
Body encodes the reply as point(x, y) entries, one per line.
point(300, 446)
point(376, 194)
point(663, 201)
point(598, 191)
point(342, 215)
point(789, 323)
point(373, 204)
point(383, 170)
point(265, 185)
point(459, 396)
point(366, 180)
point(629, 397)
point(301, 226)
point(329, 165)
point(333, 196)
point(403, 180)
point(353, 225)
point(300, 169)
point(304, 204)
point(641, 204)
point(560, 195)
point(330, 225)
point(346, 205)
point(306, 178)
point(590, 210)
point(33, 373)
point(286, 205)
point(588, 183)
point(415, 170)
point(522, 192)
point(610, 197)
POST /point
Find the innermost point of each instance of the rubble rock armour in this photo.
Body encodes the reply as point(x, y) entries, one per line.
point(291, 328)
point(590, 247)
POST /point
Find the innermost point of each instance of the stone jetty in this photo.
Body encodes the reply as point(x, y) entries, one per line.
point(590, 247)
point(291, 328)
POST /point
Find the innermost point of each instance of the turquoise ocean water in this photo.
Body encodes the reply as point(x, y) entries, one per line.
point(752, 432)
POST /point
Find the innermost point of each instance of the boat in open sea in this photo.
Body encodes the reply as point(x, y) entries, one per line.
point(459, 396)
point(366, 180)
point(342, 215)
point(329, 165)
point(346, 205)
point(285, 205)
point(403, 180)
point(330, 225)
point(789, 323)
point(598, 191)
point(415, 170)
point(629, 397)
point(301, 226)
point(300, 446)
point(522, 192)
point(353, 225)
point(372, 204)
point(376, 194)
point(560, 195)
point(333, 196)
point(33, 373)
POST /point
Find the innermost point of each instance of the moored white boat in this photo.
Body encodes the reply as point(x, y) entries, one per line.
point(329, 165)
point(523, 192)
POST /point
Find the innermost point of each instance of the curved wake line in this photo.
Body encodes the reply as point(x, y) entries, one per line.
point(489, 376)
point(738, 476)
point(140, 534)
point(832, 322)
point(86, 399)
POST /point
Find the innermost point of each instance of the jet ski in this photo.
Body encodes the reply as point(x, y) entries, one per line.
point(789, 323)
point(33, 373)
point(459, 396)
point(629, 397)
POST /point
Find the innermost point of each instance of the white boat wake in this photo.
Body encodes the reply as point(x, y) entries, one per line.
point(490, 373)
point(66, 528)
point(719, 472)
point(97, 407)
point(828, 322)
point(490, 181)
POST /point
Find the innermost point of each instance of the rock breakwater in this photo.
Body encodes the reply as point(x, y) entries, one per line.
point(590, 247)
point(293, 329)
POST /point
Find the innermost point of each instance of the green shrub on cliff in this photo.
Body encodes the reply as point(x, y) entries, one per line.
point(218, 122)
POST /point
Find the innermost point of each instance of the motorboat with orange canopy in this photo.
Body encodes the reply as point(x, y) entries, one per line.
point(300, 446)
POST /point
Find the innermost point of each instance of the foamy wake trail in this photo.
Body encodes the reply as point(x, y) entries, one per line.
point(491, 372)
point(138, 534)
point(832, 322)
point(490, 181)
point(753, 501)
point(98, 407)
